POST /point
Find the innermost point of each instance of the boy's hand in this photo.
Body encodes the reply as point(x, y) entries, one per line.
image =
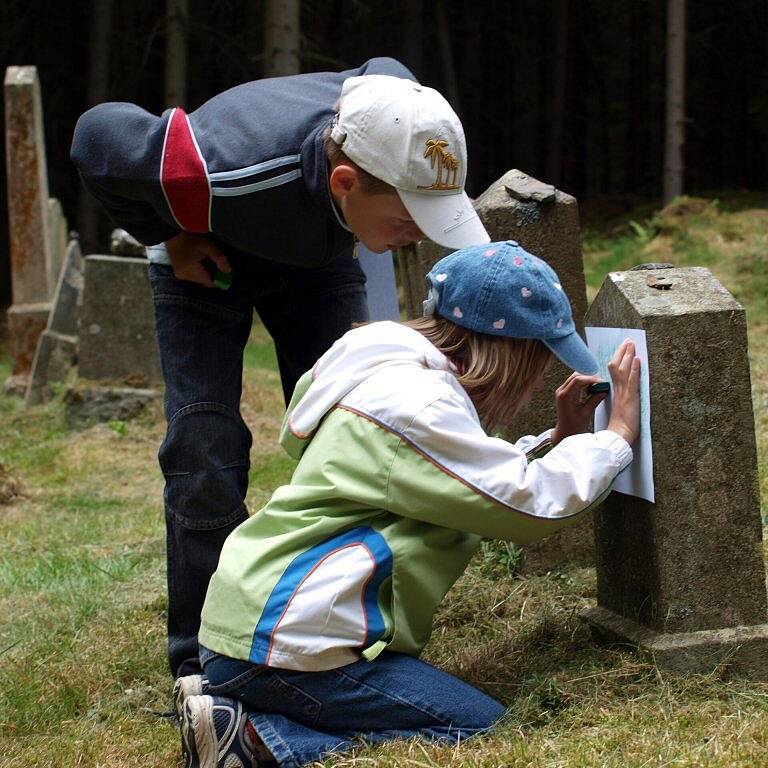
point(574, 408)
point(625, 395)
point(188, 251)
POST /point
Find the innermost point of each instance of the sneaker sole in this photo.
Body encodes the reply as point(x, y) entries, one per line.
point(183, 688)
point(198, 733)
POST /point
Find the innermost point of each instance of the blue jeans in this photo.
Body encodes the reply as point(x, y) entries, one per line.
point(201, 333)
point(301, 716)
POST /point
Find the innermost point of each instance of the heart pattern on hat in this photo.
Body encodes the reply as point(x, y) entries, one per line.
point(518, 261)
point(559, 323)
point(526, 293)
point(457, 312)
point(499, 324)
point(441, 278)
point(489, 253)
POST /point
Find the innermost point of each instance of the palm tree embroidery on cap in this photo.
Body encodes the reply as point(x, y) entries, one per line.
point(444, 160)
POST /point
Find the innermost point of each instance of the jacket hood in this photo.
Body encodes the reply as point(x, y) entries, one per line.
point(357, 355)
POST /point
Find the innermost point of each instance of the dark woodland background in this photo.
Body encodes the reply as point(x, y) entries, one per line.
point(571, 91)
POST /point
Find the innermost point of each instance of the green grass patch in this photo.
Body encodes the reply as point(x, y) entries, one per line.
point(83, 676)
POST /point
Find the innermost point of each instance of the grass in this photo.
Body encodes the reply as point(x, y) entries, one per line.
point(83, 678)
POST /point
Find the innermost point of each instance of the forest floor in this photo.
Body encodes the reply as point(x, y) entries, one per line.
point(83, 679)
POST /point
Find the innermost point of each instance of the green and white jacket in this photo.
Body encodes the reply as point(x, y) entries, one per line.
point(396, 484)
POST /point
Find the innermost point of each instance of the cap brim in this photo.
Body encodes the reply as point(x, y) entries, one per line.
point(449, 220)
point(572, 350)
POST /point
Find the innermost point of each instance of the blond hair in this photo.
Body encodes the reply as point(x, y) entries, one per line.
point(497, 372)
point(368, 183)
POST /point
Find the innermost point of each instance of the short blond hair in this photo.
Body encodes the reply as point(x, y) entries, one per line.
point(369, 184)
point(497, 372)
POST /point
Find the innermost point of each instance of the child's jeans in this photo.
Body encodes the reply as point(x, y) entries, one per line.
point(301, 716)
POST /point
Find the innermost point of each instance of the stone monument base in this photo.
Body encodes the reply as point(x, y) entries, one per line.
point(56, 356)
point(25, 324)
point(738, 651)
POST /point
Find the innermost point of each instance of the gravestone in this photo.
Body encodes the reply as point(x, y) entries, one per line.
point(58, 232)
point(57, 347)
point(117, 340)
point(27, 179)
point(684, 577)
point(544, 221)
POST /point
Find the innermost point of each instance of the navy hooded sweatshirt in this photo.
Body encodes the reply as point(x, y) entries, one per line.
point(248, 167)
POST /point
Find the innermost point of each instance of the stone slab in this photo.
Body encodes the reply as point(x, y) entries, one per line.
point(55, 357)
point(117, 340)
point(68, 297)
point(693, 560)
point(731, 651)
point(58, 238)
point(25, 324)
point(526, 189)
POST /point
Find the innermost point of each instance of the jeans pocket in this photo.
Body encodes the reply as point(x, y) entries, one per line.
point(288, 698)
point(238, 682)
point(198, 306)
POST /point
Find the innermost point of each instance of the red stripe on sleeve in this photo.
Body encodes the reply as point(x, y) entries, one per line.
point(183, 176)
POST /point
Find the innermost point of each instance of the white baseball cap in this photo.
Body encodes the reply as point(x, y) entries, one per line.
point(407, 135)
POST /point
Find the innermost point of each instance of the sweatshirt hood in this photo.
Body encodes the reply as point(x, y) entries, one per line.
point(358, 354)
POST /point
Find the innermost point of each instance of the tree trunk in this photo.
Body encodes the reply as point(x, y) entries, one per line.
point(675, 100)
point(281, 37)
point(446, 53)
point(97, 92)
point(176, 53)
point(413, 37)
point(555, 159)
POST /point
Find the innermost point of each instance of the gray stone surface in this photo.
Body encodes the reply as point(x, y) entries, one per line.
point(545, 222)
point(732, 651)
point(59, 242)
point(68, 298)
point(693, 561)
point(526, 189)
point(117, 341)
point(25, 324)
point(57, 346)
point(55, 357)
point(85, 406)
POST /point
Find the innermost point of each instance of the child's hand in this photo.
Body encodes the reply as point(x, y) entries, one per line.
point(574, 408)
point(625, 395)
point(188, 251)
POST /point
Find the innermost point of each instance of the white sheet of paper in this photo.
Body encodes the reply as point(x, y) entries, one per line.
point(637, 478)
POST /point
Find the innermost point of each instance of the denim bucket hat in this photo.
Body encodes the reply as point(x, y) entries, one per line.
point(502, 290)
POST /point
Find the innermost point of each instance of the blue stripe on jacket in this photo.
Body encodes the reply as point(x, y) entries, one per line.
point(302, 566)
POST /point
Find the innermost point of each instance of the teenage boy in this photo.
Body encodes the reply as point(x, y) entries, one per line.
point(266, 186)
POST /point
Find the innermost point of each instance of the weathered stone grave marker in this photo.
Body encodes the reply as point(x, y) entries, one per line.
point(117, 339)
point(685, 578)
point(57, 347)
point(118, 362)
point(544, 221)
point(32, 277)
